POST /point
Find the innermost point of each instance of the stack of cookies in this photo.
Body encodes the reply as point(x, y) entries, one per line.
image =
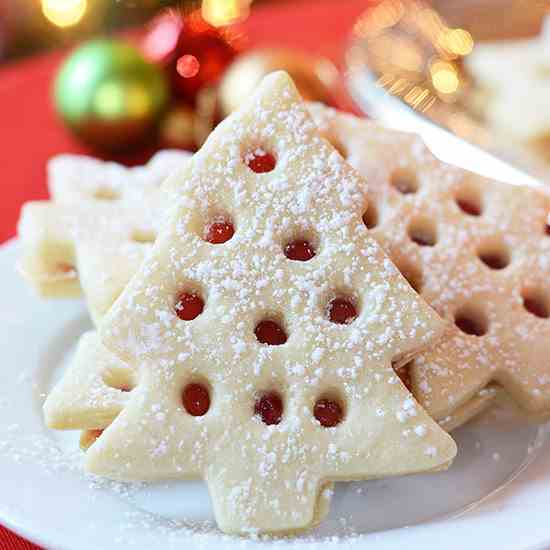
point(309, 298)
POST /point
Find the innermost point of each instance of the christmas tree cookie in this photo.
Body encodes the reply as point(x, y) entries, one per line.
point(262, 327)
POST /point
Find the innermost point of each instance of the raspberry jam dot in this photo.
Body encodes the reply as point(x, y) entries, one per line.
point(63, 267)
point(219, 232)
point(269, 408)
point(341, 311)
point(189, 306)
point(300, 251)
point(196, 399)
point(260, 161)
point(328, 412)
point(271, 333)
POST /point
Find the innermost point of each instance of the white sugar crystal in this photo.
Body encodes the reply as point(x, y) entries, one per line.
point(316, 355)
point(431, 451)
point(420, 430)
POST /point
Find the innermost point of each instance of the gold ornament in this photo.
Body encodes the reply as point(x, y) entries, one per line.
point(314, 76)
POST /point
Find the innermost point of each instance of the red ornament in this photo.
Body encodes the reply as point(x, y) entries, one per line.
point(194, 53)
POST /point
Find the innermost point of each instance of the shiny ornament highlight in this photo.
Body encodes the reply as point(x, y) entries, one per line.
point(109, 95)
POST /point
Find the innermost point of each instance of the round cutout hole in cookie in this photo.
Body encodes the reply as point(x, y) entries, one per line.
point(536, 302)
point(494, 254)
point(342, 310)
point(299, 250)
point(472, 320)
point(468, 199)
point(269, 407)
point(260, 161)
point(196, 399)
point(422, 231)
point(328, 410)
point(189, 305)
point(370, 216)
point(219, 230)
point(404, 181)
point(270, 332)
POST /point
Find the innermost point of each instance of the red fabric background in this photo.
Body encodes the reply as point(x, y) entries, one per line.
point(31, 132)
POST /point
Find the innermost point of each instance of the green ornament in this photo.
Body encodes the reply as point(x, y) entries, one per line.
point(110, 95)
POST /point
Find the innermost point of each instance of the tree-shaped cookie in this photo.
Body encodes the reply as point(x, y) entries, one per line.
point(476, 249)
point(90, 198)
point(262, 327)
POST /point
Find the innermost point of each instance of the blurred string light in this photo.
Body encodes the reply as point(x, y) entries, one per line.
point(64, 13)
point(225, 12)
point(414, 53)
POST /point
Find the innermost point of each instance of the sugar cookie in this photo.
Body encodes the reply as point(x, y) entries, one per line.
point(264, 367)
point(87, 196)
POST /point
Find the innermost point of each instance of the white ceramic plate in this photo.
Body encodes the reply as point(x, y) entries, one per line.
point(495, 496)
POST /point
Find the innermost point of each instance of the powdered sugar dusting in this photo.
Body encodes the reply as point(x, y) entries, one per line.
point(311, 193)
point(481, 248)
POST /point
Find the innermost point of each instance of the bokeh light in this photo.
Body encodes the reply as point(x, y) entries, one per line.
point(444, 77)
point(223, 12)
point(188, 66)
point(457, 41)
point(64, 13)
